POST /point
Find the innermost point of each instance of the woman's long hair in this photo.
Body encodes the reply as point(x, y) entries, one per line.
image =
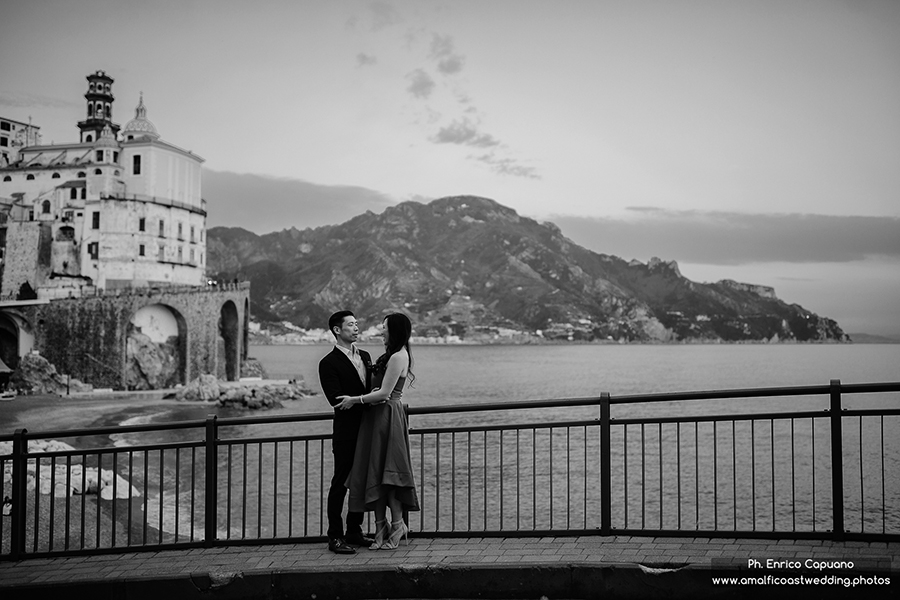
point(399, 330)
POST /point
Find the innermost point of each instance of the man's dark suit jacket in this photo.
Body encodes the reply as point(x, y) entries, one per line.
point(338, 377)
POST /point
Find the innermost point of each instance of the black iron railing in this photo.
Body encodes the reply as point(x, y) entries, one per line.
point(656, 464)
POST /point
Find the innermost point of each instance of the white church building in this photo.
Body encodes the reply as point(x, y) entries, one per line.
point(119, 208)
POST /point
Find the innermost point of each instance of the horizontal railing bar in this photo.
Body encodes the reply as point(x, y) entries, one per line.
point(319, 416)
point(806, 390)
point(506, 427)
point(271, 440)
point(705, 419)
point(868, 388)
point(869, 412)
point(735, 394)
point(525, 404)
point(117, 429)
point(113, 450)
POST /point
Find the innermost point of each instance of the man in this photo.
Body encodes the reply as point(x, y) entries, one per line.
point(345, 371)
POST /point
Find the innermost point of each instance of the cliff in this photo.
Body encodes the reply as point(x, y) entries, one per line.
point(469, 267)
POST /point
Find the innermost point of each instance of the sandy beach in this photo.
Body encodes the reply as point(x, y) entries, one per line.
point(53, 413)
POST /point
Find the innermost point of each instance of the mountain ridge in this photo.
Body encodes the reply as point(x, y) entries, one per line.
point(471, 268)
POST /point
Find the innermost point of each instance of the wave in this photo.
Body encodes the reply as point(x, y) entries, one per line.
point(123, 439)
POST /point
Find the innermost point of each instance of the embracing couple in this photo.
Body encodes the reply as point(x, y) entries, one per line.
point(370, 442)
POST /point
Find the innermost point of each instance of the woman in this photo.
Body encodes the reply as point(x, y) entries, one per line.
point(382, 475)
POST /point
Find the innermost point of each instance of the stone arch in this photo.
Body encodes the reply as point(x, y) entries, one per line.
point(229, 337)
point(16, 338)
point(156, 348)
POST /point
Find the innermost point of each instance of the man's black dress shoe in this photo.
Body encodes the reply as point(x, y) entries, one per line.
point(339, 546)
point(359, 539)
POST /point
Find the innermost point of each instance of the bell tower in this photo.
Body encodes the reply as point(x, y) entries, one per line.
point(99, 108)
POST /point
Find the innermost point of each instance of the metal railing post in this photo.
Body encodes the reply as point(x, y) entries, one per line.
point(605, 470)
point(212, 482)
point(19, 490)
point(837, 461)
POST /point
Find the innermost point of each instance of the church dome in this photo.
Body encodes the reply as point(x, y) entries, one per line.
point(140, 125)
point(106, 139)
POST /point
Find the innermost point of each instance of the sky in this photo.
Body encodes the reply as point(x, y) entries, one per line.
point(755, 141)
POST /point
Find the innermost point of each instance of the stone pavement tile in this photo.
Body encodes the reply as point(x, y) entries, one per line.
point(509, 558)
point(801, 542)
point(454, 552)
point(488, 559)
point(665, 546)
point(654, 559)
point(883, 551)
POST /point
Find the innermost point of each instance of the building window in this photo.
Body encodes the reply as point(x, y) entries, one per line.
point(192, 234)
point(68, 216)
point(31, 215)
point(4, 141)
point(141, 250)
point(4, 126)
point(98, 172)
point(142, 224)
point(115, 157)
point(180, 232)
point(162, 253)
point(180, 253)
point(73, 195)
point(30, 177)
point(95, 220)
point(84, 193)
point(99, 155)
point(7, 178)
point(162, 228)
point(81, 174)
point(192, 256)
point(54, 176)
point(94, 250)
point(45, 207)
point(136, 165)
point(89, 138)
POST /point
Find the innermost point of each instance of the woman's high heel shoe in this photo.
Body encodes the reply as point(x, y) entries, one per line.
point(381, 532)
point(399, 530)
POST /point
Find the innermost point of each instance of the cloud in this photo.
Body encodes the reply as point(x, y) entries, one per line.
point(729, 238)
point(18, 100)
point(264, 204)
point(507, 166)
point(365, 60)
point(442, 51)
point(421, 84)
point(463, 132)
point(451, 64)
point(383, 15)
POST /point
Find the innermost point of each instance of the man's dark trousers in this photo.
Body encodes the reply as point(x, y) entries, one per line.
point(343, 452)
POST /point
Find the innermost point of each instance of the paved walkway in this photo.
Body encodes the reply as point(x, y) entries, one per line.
point(519, 558)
